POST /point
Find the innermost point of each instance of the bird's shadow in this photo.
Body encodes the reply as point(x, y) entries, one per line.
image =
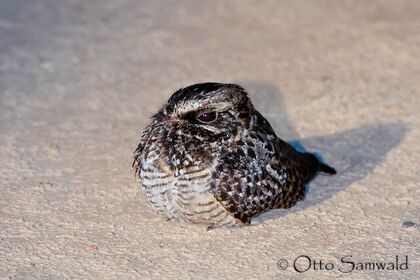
point(353, 152)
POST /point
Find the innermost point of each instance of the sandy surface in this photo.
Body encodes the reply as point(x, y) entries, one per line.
point(80, 79)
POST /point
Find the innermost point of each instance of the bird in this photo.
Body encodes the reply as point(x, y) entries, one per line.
point(209, 157)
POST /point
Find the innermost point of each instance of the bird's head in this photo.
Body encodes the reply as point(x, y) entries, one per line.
point(207, 109)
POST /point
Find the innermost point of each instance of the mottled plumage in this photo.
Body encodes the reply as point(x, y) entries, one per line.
point(209, 157)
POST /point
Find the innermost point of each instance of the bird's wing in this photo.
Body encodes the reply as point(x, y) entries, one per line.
point(255, 176)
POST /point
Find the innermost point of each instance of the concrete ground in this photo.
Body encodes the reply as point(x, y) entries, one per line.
point(80, 79)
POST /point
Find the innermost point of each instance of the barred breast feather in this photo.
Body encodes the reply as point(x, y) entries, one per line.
point(178, 190)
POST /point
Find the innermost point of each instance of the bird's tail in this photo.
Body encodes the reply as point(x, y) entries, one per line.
point(311, 165)
point(326, 168)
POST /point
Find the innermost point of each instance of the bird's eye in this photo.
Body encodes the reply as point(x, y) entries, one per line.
point(207, 116)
